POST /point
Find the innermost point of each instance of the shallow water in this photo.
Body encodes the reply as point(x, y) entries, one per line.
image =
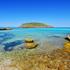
point(53, 37)
point(14, 58)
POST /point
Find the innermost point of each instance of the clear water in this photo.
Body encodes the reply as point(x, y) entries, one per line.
point(53, 36)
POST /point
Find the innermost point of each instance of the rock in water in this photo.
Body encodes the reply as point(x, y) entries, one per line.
point(67, 47)
point(30, 43)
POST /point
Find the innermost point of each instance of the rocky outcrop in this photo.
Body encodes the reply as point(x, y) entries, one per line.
point(5, 28)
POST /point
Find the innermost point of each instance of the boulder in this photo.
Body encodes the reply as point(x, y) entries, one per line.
point(30, 43)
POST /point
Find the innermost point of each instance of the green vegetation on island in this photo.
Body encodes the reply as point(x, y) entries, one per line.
point(34, 25)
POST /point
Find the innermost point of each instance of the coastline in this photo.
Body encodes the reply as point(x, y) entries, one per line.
point(41, 61)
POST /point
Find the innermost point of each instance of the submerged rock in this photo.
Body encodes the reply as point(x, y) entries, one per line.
point(10, 46)
point(5, 36)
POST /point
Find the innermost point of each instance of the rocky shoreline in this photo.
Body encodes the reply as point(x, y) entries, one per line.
point(57, 60)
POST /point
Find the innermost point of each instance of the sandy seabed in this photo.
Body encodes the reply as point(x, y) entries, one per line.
point(56, 60)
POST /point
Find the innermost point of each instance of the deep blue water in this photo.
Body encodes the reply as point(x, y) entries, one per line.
point(54, 36)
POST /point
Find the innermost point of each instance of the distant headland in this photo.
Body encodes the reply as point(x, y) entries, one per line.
point(6, 28)
point(35, 25)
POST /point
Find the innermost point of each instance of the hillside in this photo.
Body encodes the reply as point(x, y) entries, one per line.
point(34, 25)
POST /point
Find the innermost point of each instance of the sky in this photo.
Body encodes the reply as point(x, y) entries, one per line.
point(53, 12)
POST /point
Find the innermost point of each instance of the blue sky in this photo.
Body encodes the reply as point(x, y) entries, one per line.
point(53, 12)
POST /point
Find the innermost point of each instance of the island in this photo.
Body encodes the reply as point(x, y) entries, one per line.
point(7, 28)
point(35, 25)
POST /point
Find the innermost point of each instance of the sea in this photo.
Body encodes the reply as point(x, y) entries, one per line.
point(47, 38)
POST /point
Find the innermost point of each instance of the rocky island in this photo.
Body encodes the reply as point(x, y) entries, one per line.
point(35, 25)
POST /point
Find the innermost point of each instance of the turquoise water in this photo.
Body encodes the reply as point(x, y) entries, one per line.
point(52, 36)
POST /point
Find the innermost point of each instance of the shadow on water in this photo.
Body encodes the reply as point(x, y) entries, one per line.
point(10, 46)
